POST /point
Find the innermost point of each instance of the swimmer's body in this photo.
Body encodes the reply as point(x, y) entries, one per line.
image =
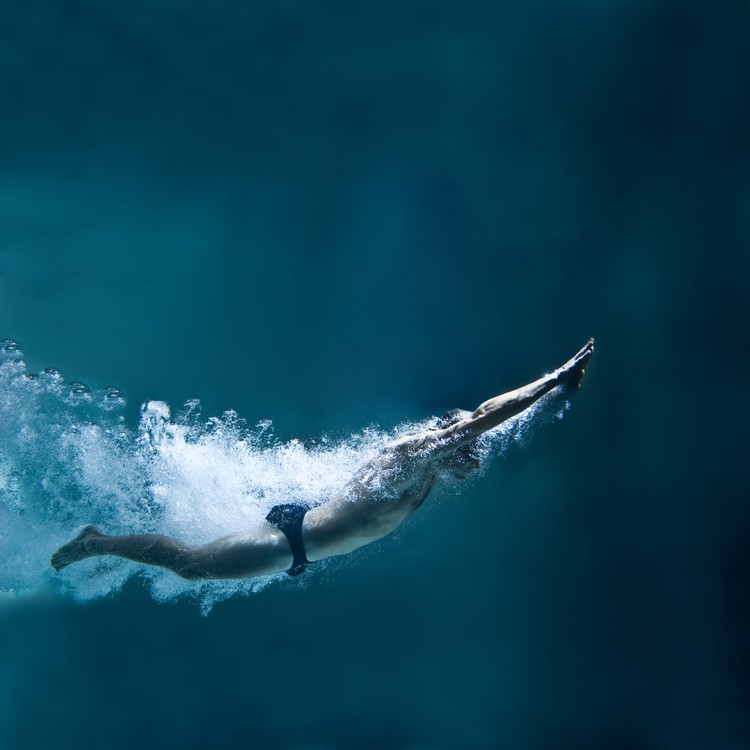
point(379, 497)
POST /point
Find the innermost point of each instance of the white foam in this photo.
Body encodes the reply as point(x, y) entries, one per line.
point(67, 459)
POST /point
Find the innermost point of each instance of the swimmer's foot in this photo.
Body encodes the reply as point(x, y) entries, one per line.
point(76, 549)
point(571, 373)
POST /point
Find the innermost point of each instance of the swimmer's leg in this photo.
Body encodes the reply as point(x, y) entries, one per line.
point(238, 556)
point(150, 549)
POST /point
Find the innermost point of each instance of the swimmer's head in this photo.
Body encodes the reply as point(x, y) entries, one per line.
point(465, 459)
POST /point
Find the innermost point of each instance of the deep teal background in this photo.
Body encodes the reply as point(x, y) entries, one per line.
point(333, 214)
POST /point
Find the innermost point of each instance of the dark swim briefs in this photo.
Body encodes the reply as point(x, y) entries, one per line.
point(288, 519)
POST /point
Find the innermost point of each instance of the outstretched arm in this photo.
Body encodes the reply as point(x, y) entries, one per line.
point(495, 411)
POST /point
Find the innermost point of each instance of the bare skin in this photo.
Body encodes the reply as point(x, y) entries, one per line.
point(377, 500)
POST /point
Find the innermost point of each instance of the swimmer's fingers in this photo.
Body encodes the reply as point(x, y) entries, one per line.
point(584, 354)
point(573, 370)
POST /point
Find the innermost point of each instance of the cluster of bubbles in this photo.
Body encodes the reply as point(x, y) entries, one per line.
point(108, 397)
point(68, 458)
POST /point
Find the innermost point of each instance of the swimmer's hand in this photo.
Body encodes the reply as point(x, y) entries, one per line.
point(571, 373)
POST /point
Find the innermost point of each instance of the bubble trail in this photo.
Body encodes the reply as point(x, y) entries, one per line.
point(68, 458)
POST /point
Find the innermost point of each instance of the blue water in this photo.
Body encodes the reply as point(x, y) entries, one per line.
point(330, 222)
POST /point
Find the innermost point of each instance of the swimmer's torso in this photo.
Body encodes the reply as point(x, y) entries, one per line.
point(375, 502)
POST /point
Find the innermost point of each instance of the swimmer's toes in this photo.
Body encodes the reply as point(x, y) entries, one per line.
point(59, 560)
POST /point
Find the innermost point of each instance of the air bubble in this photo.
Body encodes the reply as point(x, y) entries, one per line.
point(111, 398)
point(10, 346)
point(51, 372)
point(79, 388)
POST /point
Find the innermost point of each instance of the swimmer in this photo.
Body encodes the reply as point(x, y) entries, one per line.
point(375, 502)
